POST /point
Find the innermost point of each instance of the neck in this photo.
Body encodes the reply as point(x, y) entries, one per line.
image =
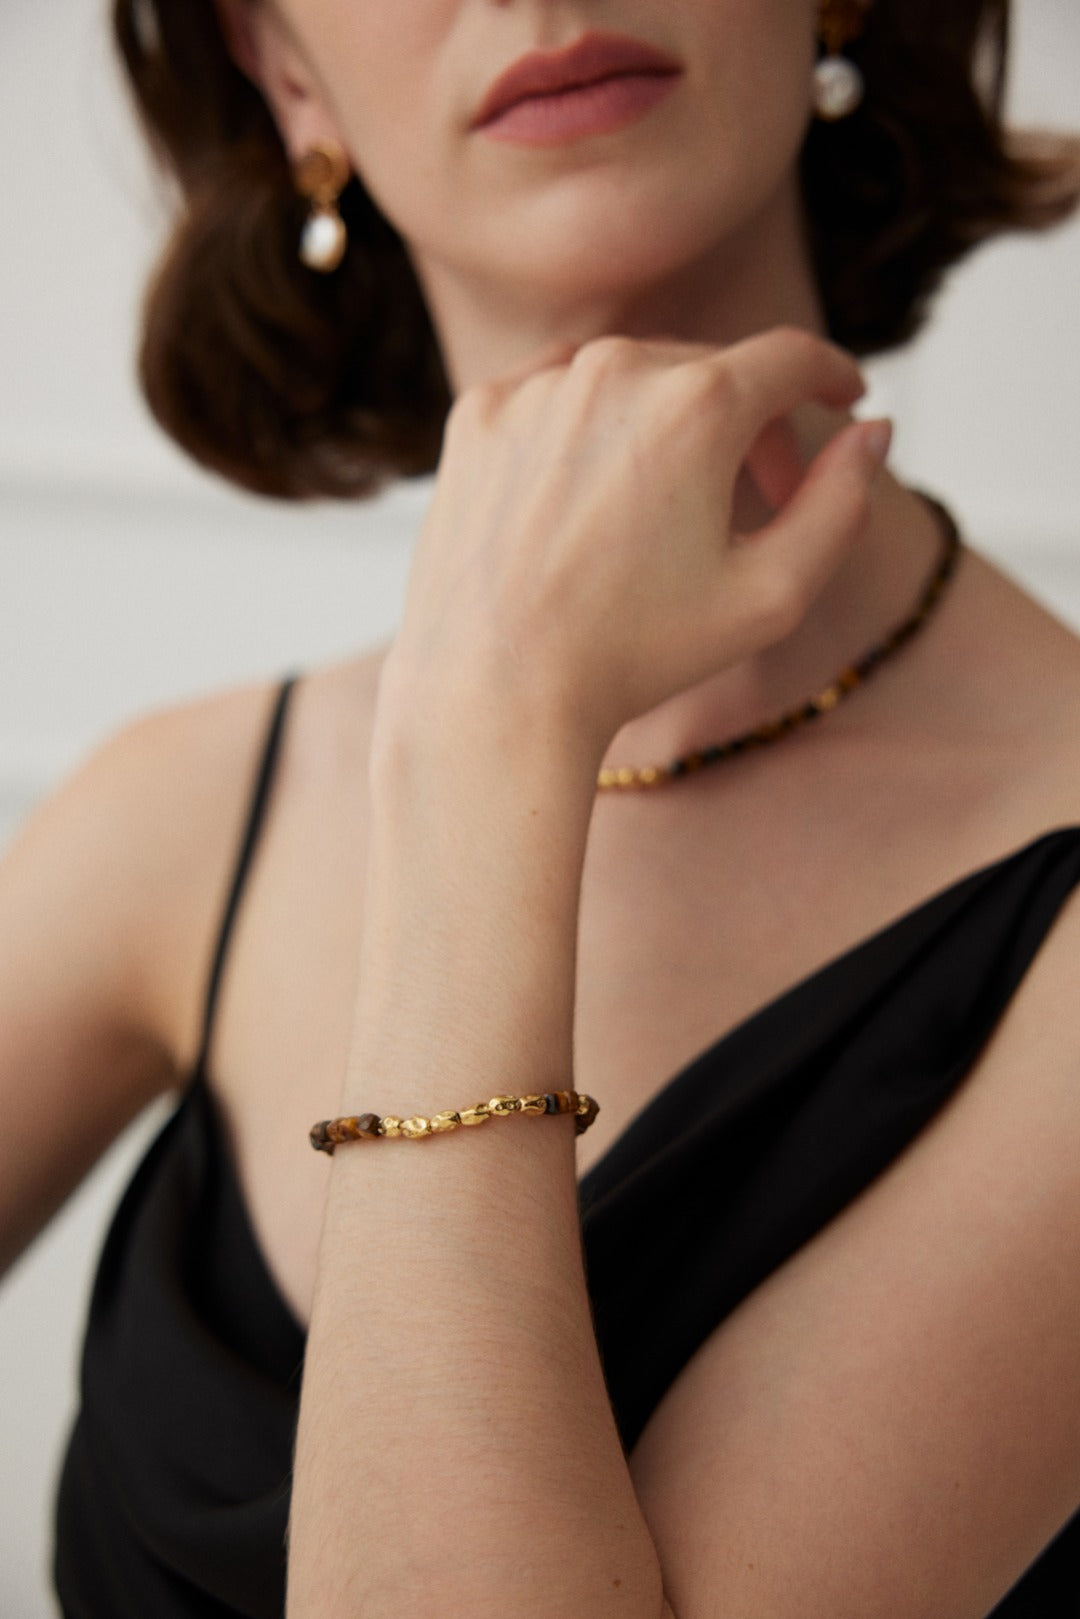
point(874, 589)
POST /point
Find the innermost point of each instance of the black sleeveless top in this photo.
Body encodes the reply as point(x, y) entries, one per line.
point(174, 1495)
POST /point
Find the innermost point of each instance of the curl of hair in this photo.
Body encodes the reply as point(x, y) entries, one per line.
point(298, 385)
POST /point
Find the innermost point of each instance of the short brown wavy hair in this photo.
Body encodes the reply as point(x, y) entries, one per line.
point(298, 385)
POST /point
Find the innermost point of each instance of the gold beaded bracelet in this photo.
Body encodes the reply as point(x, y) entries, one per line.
point(330, 1133)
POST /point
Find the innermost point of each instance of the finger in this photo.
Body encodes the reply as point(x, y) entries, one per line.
point(790, 559)
point(775, 462)
point(775, 371)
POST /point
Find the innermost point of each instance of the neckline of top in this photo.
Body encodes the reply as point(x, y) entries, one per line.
point(199, 1081)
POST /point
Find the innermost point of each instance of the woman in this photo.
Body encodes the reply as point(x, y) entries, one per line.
point(791, 1328)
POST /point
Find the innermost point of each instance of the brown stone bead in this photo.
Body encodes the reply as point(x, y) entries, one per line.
point(585, 1118)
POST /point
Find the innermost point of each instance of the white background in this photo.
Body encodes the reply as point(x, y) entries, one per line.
point(128, 579)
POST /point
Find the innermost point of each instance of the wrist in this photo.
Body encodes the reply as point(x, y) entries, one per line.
point(477, 829)
point(479, 733)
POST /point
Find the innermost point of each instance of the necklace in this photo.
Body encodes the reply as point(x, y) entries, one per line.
point(630, 777)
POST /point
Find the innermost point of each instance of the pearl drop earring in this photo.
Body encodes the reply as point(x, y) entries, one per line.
point(321, 175)
point(838, 86)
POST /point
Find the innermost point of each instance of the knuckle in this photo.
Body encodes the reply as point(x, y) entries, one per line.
point(779, 601)
point(795, 343)
point(602, 355)
point(719, 385)
point(799, 339)
point(474, 409)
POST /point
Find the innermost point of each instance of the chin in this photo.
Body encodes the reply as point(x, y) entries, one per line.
point(612, 246)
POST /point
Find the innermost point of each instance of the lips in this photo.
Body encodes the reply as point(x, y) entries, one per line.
point(593, 59)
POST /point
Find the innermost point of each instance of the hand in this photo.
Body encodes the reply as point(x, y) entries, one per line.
point(579, 559)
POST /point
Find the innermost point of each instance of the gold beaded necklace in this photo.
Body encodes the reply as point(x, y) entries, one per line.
point(628, 777)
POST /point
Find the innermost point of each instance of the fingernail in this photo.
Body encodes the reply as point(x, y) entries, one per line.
point(876, 439)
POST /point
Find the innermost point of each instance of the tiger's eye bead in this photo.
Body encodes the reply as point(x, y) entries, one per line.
point(587, 1110)
point(390, 1125)
point(367, 1126)
point(447, 1120)
point(416, 1127)
point(475, 1115)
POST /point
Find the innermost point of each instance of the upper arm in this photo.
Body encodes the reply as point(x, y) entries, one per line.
point(890, 1423)
point(106, 896)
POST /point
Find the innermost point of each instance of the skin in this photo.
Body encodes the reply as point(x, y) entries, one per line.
point(583, 589)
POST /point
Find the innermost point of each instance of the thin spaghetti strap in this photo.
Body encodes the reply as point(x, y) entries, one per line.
point(259, 800)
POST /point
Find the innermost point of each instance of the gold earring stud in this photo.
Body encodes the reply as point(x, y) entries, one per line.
point(321, 175)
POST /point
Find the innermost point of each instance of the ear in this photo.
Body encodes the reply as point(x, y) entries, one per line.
point(265, 48)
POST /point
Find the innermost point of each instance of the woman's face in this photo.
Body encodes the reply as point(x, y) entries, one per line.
point(622, 192)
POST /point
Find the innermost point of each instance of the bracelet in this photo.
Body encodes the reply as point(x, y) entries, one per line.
point(329, 1133)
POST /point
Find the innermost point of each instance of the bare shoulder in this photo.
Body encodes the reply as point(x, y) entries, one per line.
point(200, 761)
point(1012, 682)
point(148, 826)
point(110, 895)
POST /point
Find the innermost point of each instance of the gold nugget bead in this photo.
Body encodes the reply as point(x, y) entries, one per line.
point(330, 1133)
point(449, 1119)
point(828, 699)
point(502, 1105)
point(416, 1127)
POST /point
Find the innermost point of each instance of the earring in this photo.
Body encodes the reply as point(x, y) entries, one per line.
point(838, 86)
point(321, 175)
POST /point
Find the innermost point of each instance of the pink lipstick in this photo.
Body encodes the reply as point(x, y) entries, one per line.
point(597, 85)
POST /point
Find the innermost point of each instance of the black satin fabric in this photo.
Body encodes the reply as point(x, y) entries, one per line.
point(174, 1495)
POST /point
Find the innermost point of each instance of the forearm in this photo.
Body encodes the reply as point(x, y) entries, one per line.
point(457, 1452)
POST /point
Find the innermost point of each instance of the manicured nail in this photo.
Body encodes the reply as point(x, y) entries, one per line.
point(876, 439)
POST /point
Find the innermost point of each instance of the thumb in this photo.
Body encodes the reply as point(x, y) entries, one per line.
point(828, 511)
